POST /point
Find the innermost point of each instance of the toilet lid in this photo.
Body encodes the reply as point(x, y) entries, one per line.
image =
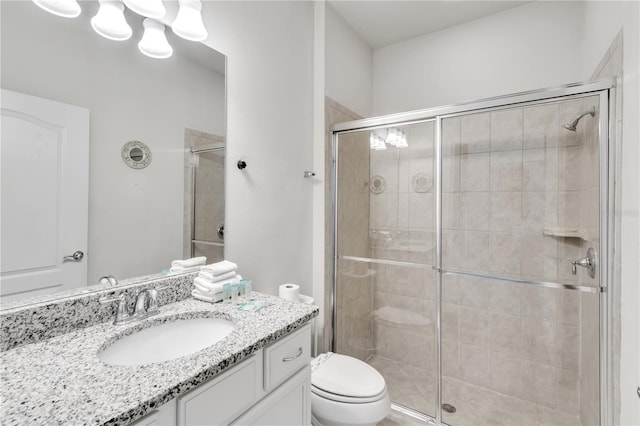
point(345, 375)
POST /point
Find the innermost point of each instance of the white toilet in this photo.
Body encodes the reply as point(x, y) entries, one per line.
point(346, 391)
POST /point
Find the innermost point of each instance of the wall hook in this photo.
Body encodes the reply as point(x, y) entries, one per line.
point(242, 164)
point(309, 174)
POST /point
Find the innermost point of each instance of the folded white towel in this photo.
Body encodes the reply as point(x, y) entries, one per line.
point(220, 268)
point(189, 263)
point(216, 287)
point(215, 278)
point(210, 299)
point(181, 270)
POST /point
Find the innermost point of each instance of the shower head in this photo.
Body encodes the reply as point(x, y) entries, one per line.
point(573, 124)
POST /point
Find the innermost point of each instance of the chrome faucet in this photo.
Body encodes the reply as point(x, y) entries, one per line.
point(588, 262)
point(108, 279)
point(146, 305)
point(122, 311)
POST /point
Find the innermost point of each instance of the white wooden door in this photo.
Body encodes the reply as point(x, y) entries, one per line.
point(44, 199)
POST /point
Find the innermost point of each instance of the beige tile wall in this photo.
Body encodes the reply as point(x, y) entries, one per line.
point(513, 182)
point(354, 297)
point(209, 196)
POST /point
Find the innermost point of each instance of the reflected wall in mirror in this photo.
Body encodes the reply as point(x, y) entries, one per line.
point(137, 220)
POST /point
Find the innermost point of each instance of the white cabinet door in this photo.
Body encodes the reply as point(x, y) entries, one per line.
point(45, 187)
point(223, 398)
point(289, 404)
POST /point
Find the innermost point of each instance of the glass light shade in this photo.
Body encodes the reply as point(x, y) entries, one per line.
point(109, 22)
point(63, 8)
point(149, 8)
point(154, 43)
point(392, 136)
point(401, 142)
point(376, 142)
point(188, 23)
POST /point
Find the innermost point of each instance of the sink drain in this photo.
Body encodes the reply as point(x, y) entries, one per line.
point(449, 408)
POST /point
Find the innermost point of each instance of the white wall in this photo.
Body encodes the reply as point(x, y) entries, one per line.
point(528, 47)
point(602, 22)
point(349, 65)
point(135, 216)
point(269, 48)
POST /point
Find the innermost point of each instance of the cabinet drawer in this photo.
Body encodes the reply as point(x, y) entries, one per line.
point(285, 357)
point(222, 399)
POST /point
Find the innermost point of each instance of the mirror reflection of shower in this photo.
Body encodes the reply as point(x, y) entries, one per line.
point(574, 124)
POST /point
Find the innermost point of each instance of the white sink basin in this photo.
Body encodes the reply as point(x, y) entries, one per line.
point(166, 341)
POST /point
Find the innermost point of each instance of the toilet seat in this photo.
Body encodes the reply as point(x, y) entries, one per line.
point(347, 399)
point(347, 379)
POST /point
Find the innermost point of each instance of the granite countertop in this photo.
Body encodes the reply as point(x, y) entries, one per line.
point(62, 381)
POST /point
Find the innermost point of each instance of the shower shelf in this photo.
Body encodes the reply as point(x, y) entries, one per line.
point(567, 232)
point(369, 273)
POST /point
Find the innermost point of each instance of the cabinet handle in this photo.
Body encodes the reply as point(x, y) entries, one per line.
point(291, 358)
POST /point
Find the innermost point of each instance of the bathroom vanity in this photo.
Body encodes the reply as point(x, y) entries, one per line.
point(257, 374)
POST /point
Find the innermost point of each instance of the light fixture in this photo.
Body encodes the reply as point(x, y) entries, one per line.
point(154, 43)
point(392, 136)
point(188, 23)
point(109, 22)
point(401, 141)
point(149, 8)
point(376, 142)
point(63, 8)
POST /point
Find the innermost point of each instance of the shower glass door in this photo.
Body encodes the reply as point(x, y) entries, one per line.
point(385, 279)
point(520, 203)
point(471, 259)
point(207, 224)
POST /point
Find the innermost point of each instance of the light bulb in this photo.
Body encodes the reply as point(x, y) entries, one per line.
point(376, 142)
point(109, 22)
point(188, 23)
point(63, 8)
point(401, 142)
point(149, 8)
point(154, 43)
point(392, 136)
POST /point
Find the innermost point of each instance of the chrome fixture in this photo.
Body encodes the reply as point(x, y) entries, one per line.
point(309, 174)
point(108, 279)
point(122, 311)
point(75, 257)
point(572, 125)
point(588, 262)
point(146, 305)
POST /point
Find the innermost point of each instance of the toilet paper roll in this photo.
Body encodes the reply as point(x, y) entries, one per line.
point(289, 292)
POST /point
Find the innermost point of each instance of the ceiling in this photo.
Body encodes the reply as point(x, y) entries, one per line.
point(381, 23)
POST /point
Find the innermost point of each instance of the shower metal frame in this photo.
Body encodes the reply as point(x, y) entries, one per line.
point(194, 153)
point(608, 145)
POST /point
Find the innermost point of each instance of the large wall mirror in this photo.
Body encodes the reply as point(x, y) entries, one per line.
point(137, 220)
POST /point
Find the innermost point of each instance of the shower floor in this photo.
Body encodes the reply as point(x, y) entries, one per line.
point(475, 405)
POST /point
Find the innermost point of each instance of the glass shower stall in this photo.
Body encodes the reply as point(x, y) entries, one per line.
point(471, 256)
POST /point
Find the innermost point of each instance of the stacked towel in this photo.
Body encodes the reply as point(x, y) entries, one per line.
point(211, 279)
point(220, 268)
point(187, 265)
